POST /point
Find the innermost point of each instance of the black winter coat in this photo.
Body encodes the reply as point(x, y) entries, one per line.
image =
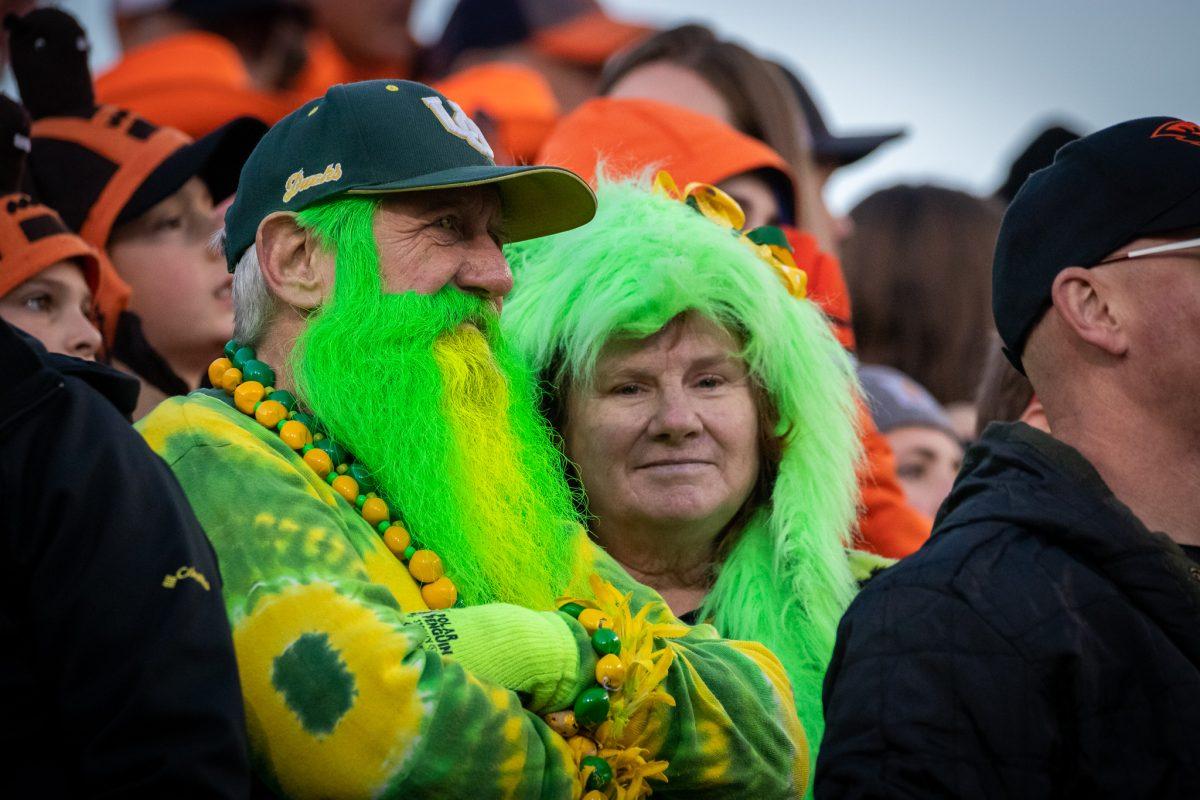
point(117, 670)
point(1042, 644)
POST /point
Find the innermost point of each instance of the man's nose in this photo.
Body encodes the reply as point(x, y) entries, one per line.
point(485, 271)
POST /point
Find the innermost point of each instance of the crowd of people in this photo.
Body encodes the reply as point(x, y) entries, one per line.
point(511, 417)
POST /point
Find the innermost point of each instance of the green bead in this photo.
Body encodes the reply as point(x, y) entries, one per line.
point(331, 477)
point(358, 501)
point(605, 642)
point(337, 453)
point(309, 421)
point(231, 348)
point(602, 772)
point(256, 370)
point(383, 526)
point(571, 609)
point(242, 357)
point(285, 398)
point(279, 425)
point(591, 707)
point(408, 552)
point(363, 476)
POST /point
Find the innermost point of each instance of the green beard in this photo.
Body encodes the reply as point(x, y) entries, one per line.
point(427, 395)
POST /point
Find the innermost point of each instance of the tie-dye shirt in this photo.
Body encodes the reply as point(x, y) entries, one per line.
point(341, 699)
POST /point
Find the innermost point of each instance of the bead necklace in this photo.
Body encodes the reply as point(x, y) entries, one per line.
point(251, 384)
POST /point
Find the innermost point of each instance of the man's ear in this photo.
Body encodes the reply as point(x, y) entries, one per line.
point(295, 267)
point(1085, 303)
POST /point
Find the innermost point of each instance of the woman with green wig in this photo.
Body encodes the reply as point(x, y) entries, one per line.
point(706, 410)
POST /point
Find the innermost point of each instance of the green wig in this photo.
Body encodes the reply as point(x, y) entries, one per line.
point(646, 259)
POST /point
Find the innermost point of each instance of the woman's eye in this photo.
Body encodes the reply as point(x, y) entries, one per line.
point(40, 303)
point(710, 382)
point(627, 389)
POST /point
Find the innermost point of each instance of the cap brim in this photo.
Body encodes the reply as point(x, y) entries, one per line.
point(216, 159)
point(845, 150)
point(535, 200)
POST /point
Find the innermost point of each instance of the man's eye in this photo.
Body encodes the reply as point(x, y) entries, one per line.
point(40, 303)
point(627, 389)
point(912, 472)
point(447, 223)
point(710, 382)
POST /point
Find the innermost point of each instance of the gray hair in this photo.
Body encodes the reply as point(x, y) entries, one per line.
point(253, 304)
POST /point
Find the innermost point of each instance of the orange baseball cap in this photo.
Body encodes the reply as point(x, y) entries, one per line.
point(515, 99)
point(629, 135)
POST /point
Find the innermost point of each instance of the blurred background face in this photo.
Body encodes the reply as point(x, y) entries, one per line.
point(55, 307)
point(179, 281)
point(927, 462)
point(667, 435)
point(672, 83)
point(756, 198)
point(367, 30)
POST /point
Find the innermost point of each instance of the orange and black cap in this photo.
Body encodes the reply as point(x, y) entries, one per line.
point(1134, 179)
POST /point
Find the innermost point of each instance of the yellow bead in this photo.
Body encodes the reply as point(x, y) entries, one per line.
point(374, 510)
point(582, 746)
point(346, 486)
point(270, 413)
point(442, 593)
point(563, 723)
point(247, 395)
point(610, 672)
point(295, 435)
point(231, 379)
point(217, 369)
point(591, 619)
point(595, 794)
point(397, 539)
point(318, 460)
point(426, 566)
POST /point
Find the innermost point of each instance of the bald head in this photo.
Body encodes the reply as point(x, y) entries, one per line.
point(1126, 332)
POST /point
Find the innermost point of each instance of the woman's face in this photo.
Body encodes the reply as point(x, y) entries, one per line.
point(667, 436)
point(927, 462)
point(181, 290)
point(675, 84)
point(55, 307)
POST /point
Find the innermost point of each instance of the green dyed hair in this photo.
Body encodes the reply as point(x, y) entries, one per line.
point(640, 263)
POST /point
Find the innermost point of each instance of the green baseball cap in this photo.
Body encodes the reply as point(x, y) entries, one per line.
point(386, 136)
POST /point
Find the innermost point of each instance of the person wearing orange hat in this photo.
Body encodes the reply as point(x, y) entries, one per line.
point(142, 195)
point(630, 135)
point(48, 275)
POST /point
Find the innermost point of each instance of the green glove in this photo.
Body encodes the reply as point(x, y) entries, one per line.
point(545, 655)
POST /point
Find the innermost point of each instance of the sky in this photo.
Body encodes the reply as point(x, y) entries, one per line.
point(972, 80)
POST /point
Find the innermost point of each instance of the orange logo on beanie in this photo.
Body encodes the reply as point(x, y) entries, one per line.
point(1179, 129)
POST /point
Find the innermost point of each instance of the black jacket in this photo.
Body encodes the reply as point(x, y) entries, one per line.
point(1042, 644)
point(117, 670)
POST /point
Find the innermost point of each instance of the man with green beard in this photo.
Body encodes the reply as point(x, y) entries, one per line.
point(416, 609)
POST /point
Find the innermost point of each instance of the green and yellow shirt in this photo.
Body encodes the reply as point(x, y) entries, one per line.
point(342, 701)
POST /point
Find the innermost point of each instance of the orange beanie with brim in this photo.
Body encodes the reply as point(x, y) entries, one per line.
point(102, 166)
point(32, 236)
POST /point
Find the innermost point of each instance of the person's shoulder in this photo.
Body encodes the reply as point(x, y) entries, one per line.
point(201, 419)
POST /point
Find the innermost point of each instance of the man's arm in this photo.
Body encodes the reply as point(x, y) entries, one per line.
point(925, 699)
point(343, 698)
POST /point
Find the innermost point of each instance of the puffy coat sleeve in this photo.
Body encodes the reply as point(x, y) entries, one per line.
point(920, 699)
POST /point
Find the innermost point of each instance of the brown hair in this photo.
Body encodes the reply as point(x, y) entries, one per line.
point(1003, 393)
point(918, 269)
point(759, 96)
